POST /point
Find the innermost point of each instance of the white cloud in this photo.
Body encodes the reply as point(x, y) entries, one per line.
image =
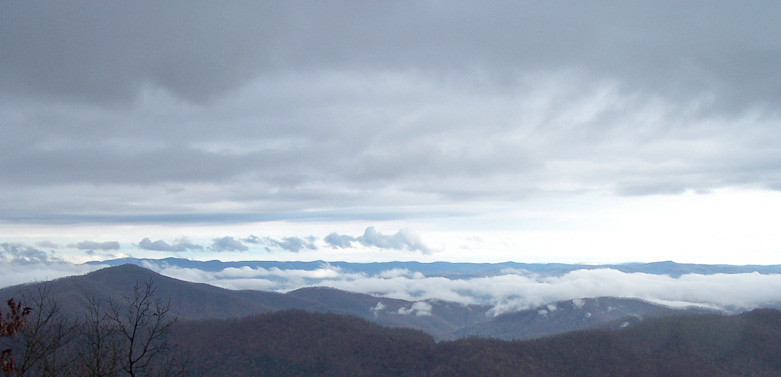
point(420, 309)
point(377, 308)
point(399, 272)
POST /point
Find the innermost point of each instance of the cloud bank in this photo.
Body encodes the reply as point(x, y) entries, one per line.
point(509, 290)
point(504, 291)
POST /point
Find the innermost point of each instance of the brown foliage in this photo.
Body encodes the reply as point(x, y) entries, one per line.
point(10, 324)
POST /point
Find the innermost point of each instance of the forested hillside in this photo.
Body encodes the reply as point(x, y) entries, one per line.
point(310, 344)
point(298, 343)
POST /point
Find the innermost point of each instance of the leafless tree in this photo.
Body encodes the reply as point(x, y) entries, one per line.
point(142, 324)
point(98, 347)
point(44, 340)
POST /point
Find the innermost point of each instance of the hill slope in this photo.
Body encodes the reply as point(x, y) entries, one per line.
point(188, 300)
point(564, 316)
point(299, 343)
point(312, 344)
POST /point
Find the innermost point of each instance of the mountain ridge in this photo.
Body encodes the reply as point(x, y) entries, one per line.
point(442, 268)
point(442, 319)
point(297, 343)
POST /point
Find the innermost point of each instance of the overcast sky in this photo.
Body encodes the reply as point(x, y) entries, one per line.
point(567, 131)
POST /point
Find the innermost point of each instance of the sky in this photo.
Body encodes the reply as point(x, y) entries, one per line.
point(568, 131)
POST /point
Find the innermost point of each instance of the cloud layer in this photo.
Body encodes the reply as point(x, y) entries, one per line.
point(508, 290)
point(178, 112)
point(674, 49)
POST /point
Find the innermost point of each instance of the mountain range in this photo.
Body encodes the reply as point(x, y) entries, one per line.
point(320, 331)
point(451, 269)
point(441, 319)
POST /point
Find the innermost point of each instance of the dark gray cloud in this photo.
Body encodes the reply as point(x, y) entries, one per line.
point(199, 51)
point(404, 239)
point(110, 52)
point(92, 245)
point(228, 244)
point(141, 112)
point(180, 244)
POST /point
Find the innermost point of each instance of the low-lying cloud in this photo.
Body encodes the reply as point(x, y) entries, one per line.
point(509, 290)
point(505, 291)
point(420, 308)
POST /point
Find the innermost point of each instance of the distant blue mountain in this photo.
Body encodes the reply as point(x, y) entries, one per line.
point(463, 270)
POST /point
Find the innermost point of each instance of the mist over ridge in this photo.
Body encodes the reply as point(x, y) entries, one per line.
point(504, 287)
